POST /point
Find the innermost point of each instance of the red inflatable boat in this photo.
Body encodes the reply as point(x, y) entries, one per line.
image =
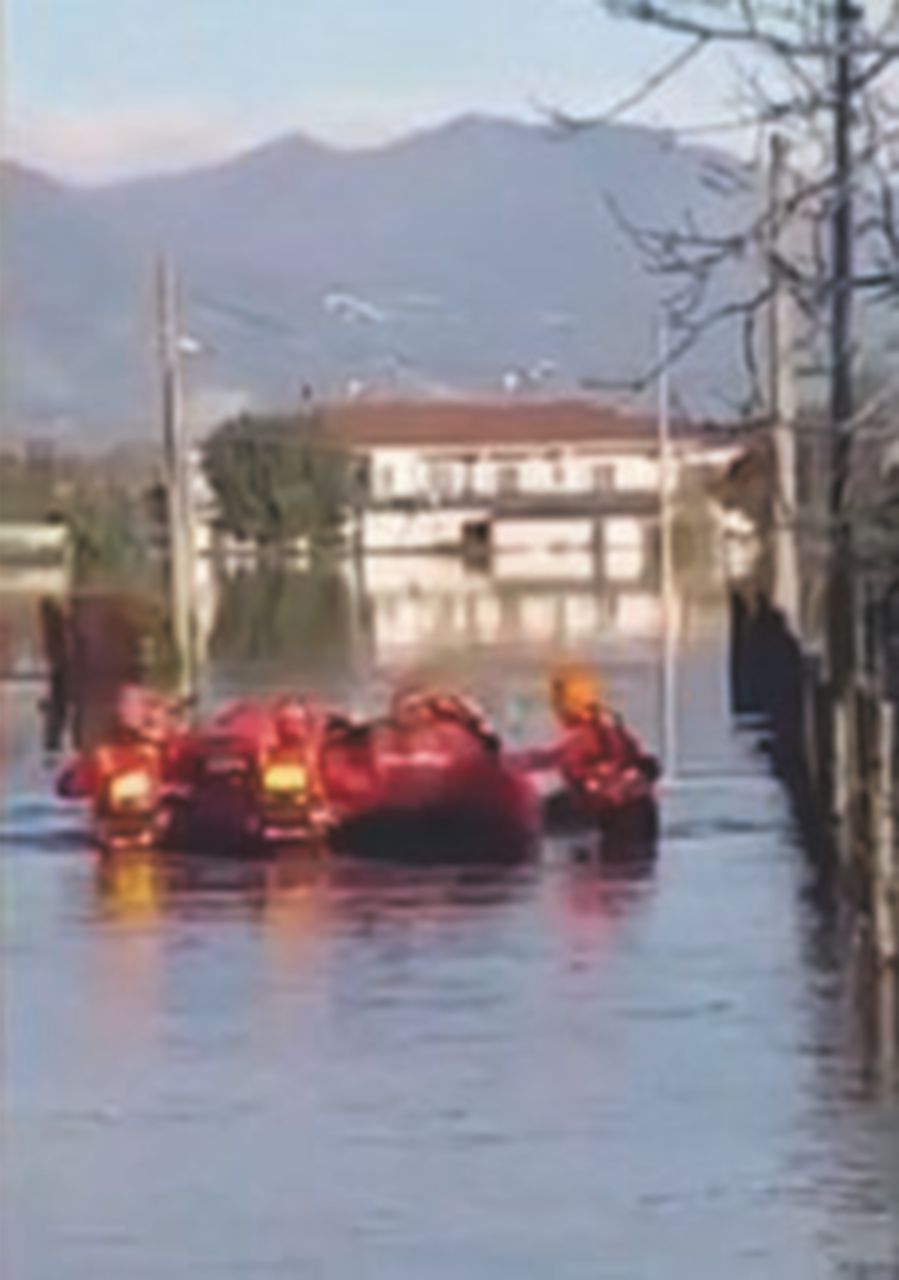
point(425, 787)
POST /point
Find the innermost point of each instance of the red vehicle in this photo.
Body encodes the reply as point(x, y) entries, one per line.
point(428, 782)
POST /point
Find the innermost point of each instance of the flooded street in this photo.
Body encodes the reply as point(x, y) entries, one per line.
point(326, 1068)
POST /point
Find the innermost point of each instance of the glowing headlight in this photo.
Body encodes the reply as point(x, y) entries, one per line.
point(284, 778)
point(131, 790)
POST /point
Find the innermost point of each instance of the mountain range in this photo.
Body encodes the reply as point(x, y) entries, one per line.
point(480, 257)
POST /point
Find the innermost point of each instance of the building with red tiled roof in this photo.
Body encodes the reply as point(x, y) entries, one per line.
point(460, 424)
point(542, 471)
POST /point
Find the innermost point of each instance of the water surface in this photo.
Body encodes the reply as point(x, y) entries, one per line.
point(330, 1069)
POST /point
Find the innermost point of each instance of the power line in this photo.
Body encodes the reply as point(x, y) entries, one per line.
point(248, 316)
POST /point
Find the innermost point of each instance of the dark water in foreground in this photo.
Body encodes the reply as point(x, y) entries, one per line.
point(343, 1071)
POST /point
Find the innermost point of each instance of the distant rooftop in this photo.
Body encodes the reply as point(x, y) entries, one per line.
point(475, 424)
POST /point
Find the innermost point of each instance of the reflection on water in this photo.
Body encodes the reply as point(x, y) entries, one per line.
point(134, 887)
point(567, 600)
point(350, 618)
point(129, 886)
point(281, 617)
point(302, 1066)
point(393, 603)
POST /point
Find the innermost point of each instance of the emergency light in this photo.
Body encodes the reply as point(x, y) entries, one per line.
point(284, 778)
point(133, 790)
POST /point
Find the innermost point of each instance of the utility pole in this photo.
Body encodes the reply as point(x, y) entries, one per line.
point(782, 393)
point(841, 390)
point(667, 592)
point(180, 558)
point(781, 381)
point(841, 622)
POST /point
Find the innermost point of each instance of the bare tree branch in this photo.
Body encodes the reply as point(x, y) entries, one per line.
point(751, 29)
point(569, 122)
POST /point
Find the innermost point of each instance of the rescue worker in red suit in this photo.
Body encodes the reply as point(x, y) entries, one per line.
point(597, 755)
point(296, 731)
point(288, 724)
point(136, 743)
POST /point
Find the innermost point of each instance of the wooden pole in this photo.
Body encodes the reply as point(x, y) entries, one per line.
point(176, 467)
point(781, 382)
point(667, 584)
point(846, 14)
point(782, 398)
point(886, 855)
point(842, 604)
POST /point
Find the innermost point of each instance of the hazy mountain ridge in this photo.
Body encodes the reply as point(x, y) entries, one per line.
point(444, 260)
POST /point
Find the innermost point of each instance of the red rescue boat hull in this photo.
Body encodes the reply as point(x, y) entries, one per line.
point(427, 797)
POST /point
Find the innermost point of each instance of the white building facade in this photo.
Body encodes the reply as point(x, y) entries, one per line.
point(446, 474)
point(528, 476)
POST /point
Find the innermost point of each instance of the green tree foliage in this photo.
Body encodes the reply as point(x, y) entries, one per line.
point(107, 541)
point(278, 478)
point(92, 496)
point(34, 489)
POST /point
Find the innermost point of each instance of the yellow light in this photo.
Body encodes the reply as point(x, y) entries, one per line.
point(131, 790)
point(284, 778)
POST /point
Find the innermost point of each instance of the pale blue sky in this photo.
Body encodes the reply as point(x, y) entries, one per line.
point(102, 86)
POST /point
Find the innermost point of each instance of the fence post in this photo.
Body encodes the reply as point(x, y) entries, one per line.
point(886, 856)
point(841, 780)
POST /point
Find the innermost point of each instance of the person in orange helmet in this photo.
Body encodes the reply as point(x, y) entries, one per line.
point(594, 738)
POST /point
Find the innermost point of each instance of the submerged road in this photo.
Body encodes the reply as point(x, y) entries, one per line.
point(333, 1070)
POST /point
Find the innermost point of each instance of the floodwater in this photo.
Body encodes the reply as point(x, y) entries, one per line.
point(328, 1069)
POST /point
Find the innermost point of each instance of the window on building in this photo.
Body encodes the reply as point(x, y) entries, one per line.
point(603, 477)
point(384, 482)
point(441, 478)
point(483, 477)
point(507, 479)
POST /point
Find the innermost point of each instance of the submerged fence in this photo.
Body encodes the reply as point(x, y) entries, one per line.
point(838, 755)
